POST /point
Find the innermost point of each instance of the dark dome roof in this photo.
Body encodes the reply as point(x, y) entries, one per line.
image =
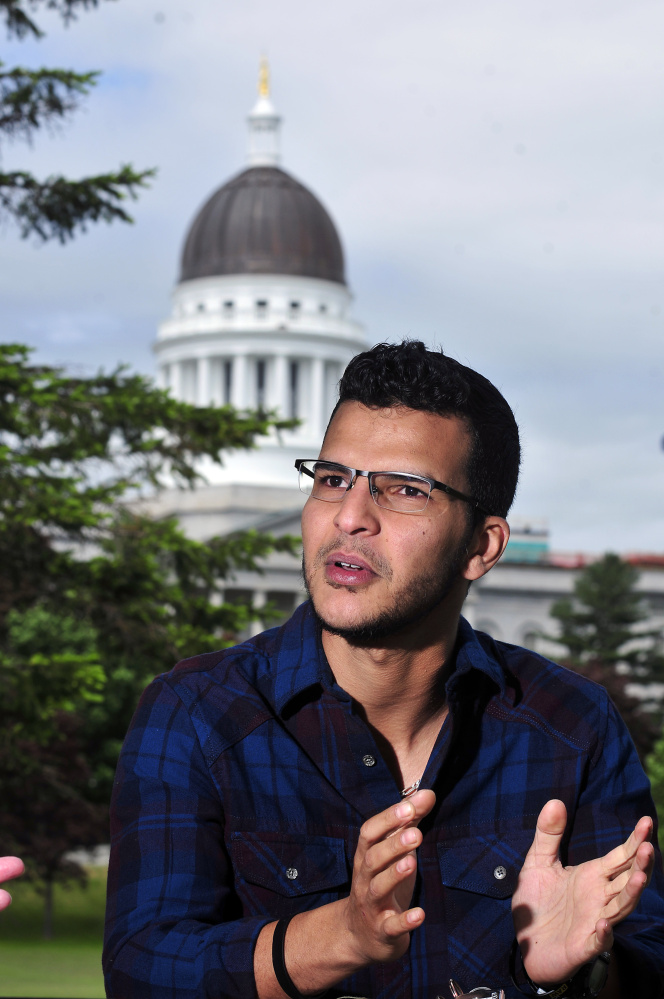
point(263, 222)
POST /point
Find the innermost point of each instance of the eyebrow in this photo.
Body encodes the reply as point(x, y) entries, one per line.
point(405, 471)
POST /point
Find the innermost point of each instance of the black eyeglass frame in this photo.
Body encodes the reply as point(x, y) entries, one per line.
point(433, 483)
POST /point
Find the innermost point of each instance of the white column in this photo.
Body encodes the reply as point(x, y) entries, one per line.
point(176, 380)
point(317, 398)
point(280, 398)
point(239, 389)
point(203, 395)
point(259, 600)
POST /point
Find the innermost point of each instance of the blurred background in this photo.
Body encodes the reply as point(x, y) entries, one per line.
point(495, 175)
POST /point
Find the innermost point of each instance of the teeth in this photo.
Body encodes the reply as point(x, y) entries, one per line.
point(348, 565)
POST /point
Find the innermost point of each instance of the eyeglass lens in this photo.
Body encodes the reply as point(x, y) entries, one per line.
point(399, 491)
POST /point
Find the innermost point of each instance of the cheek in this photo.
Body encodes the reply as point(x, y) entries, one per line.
point(314, 523)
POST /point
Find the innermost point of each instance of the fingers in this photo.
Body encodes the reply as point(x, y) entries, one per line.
point(10, 867)
point(384, 826)
point(628, 887)
point(392, 861)
point(383, 879)
point(548, 834)
point(386, 823)
point(622, 857)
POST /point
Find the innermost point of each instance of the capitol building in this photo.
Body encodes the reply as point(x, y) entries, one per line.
point(262, 318)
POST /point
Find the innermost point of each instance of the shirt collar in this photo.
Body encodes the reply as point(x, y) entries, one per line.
point(472, 654)
point(300, 661)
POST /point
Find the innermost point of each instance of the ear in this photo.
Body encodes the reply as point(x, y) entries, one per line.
point(486, 546)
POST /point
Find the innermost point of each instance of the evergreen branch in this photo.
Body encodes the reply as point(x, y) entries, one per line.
point(17, 21)
point(58, 208)
point(19, 24)
point(32, 98)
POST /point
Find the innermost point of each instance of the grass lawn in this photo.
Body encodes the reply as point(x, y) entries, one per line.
point(67, 967)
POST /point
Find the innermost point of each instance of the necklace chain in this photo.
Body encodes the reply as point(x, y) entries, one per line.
point(411, 789)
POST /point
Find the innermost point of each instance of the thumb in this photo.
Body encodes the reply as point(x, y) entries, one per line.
point(551, 824)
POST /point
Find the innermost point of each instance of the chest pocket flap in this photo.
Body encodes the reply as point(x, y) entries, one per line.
point(290, 865)
point(487, 864)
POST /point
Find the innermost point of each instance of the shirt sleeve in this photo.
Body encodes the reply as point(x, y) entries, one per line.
point(614, 797)
point(173, 924)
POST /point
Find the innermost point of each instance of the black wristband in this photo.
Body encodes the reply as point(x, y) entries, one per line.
point(279, 960)
point(286, 983)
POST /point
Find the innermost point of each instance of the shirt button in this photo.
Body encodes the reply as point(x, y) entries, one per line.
point(499, 873)
point(292, 873)
point(369, 760)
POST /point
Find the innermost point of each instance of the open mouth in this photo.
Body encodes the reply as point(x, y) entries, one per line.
point(344, 570)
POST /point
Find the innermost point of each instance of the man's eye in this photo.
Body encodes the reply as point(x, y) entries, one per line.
point(406, 489)
point(331, 481)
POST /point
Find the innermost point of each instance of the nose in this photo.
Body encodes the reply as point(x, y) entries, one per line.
point(357, 513)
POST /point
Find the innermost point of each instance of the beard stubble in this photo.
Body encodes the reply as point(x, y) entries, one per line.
point(410, 603)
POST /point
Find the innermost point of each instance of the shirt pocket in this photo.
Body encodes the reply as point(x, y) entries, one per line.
point(485, 864)
point(479, 873)
point(282, 873)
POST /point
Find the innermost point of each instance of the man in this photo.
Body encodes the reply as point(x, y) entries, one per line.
point(374, 799)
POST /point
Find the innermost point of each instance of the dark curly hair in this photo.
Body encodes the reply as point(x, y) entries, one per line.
point(407, 374)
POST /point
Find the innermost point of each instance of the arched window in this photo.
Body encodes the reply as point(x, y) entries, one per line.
point(490, 627)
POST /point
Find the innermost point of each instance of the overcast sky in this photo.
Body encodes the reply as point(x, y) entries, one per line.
point(496, 172)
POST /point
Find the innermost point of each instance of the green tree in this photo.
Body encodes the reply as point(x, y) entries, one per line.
point(34, 100)
point(95, 596)
point(655, 771)
point(602, 628)
point(50, 672)
point(601, 620)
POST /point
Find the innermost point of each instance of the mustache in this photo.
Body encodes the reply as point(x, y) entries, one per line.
point(376, 562)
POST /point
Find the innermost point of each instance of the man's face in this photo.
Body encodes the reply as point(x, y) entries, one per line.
point(372, 572)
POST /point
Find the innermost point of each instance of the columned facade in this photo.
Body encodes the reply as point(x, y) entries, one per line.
point(260, 319)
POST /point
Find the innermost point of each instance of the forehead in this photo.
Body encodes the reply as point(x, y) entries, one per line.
point(398, 439)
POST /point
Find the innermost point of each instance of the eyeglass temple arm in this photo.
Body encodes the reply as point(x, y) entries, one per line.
point(455, 492)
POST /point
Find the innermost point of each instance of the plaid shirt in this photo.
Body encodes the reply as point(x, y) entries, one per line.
point(246, 775)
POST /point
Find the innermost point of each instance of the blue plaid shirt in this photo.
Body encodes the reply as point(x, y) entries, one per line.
point(246, 775)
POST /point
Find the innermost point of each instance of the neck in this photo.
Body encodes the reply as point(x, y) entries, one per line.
point(399, 687)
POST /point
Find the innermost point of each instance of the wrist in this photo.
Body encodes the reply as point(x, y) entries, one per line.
point(347, 941)
point(321, 949)
point(585, 982)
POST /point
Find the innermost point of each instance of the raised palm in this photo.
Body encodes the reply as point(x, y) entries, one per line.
point(564, 916)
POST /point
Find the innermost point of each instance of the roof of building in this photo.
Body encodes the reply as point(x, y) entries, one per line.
point(263, 221)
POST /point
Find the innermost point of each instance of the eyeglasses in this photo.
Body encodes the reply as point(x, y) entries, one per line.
point(402, 492)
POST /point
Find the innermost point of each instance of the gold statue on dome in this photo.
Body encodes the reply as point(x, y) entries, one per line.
point(264, 78)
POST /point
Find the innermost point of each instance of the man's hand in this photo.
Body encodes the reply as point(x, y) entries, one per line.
point(377, 916)
point(373, 924)
point(564, 916)
point(10, 867)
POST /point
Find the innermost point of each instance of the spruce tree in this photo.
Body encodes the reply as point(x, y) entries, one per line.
point(605, 636)
point(34, 100)
point(96, 597)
